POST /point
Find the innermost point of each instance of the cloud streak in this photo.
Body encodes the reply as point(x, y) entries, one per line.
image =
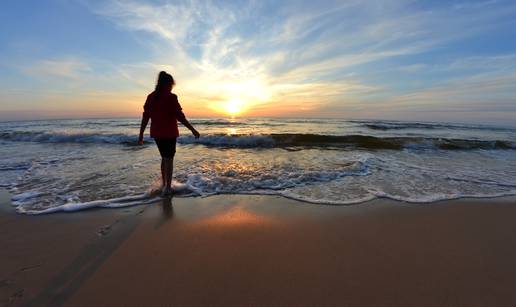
point(70, 68)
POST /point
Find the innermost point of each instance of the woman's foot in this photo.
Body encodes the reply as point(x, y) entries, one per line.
point(166, 192)
point(170, 191)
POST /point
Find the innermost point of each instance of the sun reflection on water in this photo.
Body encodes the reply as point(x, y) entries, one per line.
point(231, 131)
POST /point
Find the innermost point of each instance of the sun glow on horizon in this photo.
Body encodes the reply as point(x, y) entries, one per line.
point(233, 107)
point(238, 97)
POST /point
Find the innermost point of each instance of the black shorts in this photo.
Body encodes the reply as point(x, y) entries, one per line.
point(167, 147)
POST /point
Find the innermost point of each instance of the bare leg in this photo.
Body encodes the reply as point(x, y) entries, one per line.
point(170, 170)
point(163, 173)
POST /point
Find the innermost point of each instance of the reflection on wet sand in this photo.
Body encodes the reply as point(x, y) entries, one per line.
point(236, 216)
point(167, 211)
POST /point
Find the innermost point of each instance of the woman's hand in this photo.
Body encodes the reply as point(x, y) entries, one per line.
point(196, 133)
point(145, 120)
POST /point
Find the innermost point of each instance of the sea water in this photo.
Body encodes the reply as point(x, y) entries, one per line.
point(68, 165)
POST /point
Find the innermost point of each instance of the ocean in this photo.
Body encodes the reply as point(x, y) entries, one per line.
point(68, 165)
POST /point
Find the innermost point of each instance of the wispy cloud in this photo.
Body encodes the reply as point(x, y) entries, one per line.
point(472, 94)
point(68, 67)
point(474, 4)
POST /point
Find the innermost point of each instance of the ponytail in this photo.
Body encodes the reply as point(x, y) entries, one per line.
point(164, 80)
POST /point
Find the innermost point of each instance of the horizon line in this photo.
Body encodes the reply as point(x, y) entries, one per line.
point(261, 117)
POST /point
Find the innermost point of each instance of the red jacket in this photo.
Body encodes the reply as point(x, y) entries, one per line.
point(164, 112)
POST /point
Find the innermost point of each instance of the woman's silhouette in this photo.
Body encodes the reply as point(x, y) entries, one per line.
point(164, 110)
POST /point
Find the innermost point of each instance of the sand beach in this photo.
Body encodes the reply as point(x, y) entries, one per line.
point(262, 251)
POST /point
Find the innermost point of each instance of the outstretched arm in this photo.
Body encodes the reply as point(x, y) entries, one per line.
point(182, 119)
point(187, 124)
point(145, 120)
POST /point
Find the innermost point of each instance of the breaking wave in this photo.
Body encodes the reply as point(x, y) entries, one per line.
point(384, 126)
point(345, 141)
point(285, 140)
point(45, 137)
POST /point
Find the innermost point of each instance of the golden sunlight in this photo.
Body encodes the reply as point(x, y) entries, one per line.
point(236, 216)
point(240, 96)
point(233, 107)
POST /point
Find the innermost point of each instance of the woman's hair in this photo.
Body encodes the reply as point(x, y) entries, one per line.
point(164, 80)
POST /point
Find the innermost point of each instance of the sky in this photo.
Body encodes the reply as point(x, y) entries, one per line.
point(452, 61)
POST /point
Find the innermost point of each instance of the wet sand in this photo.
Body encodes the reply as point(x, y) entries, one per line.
point(263, 250)
point(44, 259)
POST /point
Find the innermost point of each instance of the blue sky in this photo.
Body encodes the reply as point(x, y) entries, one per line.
point(406, 60)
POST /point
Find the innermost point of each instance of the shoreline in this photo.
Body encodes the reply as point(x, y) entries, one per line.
point(262, 250)
point(141, 200)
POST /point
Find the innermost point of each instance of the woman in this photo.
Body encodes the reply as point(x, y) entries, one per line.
point(164, 110)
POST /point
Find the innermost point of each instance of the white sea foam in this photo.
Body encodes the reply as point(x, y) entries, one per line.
point(119, 202)
point(352, 179)
point(24, 201)
point(24, 197)
point(421, 199)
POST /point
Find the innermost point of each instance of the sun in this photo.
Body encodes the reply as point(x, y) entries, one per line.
point(233, 107)
point(240, 96)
